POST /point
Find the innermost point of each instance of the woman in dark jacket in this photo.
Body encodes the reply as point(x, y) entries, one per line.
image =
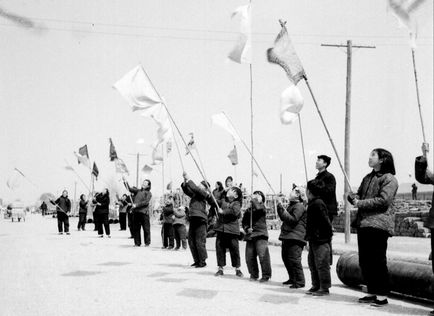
point(375, 224)
point(102, 201)
point(255, 226)
point(292, 235)
point(82, 213)
point(218, 193)
point(228, 230)
point(123, 205)
point(167, 216)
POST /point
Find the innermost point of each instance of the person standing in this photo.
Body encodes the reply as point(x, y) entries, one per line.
point(255, 225)
point(167, 216)
point(217, 193)
point(44, 208)
point(228, 230)
point(414, 191)
point(63, 207)
point(319, 235)
point(328, 194)
point(425, 176)
point(102, 202)
point(123, 205)
point(82, 212)
point(292, 235)
point(375, 224)
point(179, 227)
point(197, 216)
point(140, 208)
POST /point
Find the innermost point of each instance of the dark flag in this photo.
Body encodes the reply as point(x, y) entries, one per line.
point(83, 156)
point(113, 154)
point(95, 170)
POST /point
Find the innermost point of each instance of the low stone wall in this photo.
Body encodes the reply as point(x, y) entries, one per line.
point(410, 218)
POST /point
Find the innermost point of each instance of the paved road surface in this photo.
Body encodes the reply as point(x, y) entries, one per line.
point(42, 273)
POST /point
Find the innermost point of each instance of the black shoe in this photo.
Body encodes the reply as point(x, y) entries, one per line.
point(297, 286)
point(68, 233)
point(288, 282)
point(312, 290)
point(219, 272)
point(238, 273)
point(194, 264)
point(368, 299)
point(253, 278)
point(431, 312)
point(264, 279)
point(321, 292)
point(201, 265)
point(379, 303)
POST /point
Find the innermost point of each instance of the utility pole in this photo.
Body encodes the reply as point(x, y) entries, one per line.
point(137, 166)
point(347, 189)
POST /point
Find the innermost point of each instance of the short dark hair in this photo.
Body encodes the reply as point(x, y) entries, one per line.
point(239, 193)
point(205, 184)
point(387, 164)
point(261, 194)
point(326, 159)
point(315, 187)
point(150, 184)
point(220, 186)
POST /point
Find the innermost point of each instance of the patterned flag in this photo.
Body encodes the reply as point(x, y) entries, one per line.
point(121, 167)
point(283, 54)
point(233, 156)
point(95, 170)
point(191, 145)
point(291, 103)
point(83, 156)
point(242, 52)
point(112, 154)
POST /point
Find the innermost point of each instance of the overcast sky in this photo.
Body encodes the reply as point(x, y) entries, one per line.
point(56, 88)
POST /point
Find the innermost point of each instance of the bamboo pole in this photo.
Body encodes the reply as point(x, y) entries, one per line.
point(302, 148)
point(417, 94)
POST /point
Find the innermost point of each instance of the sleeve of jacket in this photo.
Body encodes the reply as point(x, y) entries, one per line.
point(245, 222)
point(68, 205)
point(383, 199)
point(421, 172)
point(294, 218)
point(330, 184)
point(104, 201)
point(198, 193)
point(232, 209)
point(185, 188)
point(145, 201)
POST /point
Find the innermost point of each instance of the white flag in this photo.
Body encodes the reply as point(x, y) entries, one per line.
point(291, 103)
point(242, 52)
point(222, 120)
point(136, 88)
point(147, 170)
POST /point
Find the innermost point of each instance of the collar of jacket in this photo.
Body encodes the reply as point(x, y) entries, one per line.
point(376, 173)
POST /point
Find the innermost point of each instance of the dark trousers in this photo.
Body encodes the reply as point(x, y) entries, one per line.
point(81, 220)
point(62, 221)
point(197, 241)
point(258, 248)
point(102, 220)
point(319, 265)
point(291, 257)
point(130, 224)
point(123, 221)
point(372, 244)
point(227, 241)
point(168, 235)
point(95, 221)
point(432, 247)
point(141, 221)
point(180, 235)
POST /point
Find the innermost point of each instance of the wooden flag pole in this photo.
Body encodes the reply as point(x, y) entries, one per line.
point(78, 176)
point(177, 146)
point(417, 94)
point(328, 133)
point(182, 137)
point(302, 147)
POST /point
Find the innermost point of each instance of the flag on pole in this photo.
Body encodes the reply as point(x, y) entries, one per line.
point(233, 156)
point(168, 147)
point(291, 103)
point(147, 170)
point(95, 171)
point(404, 11)
point(191, 145)
point(169, 186)
point(242, 52)
point(69, 168)
point(83, 156)
point(222, 121)
point(121, 167)
point(157, 157)
point(112, 154)
point(283, 54)
point(136, 88)
point(14, 180)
